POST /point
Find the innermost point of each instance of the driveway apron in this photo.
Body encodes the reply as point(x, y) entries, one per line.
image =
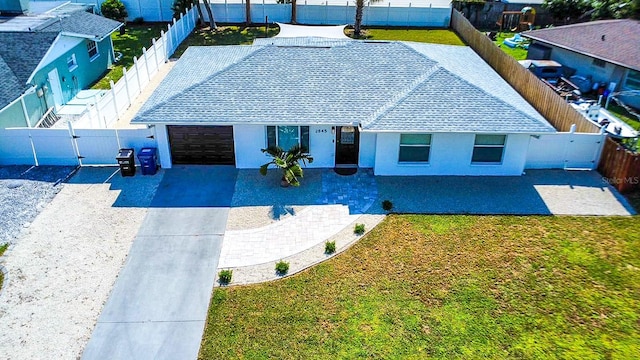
point(158, 306)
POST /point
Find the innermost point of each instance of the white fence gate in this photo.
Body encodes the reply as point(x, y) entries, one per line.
point(70, 146)
point(565, 151)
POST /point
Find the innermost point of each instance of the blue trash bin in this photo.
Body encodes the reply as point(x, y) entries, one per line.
point(148, 160)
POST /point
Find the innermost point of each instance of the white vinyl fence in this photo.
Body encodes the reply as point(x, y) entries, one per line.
point(108, 110)
point(90, 139)
point(565, 151)
point(335, 12)
point(70, 146)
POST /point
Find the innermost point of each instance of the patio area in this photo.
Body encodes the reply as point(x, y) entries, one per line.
point(268, 223)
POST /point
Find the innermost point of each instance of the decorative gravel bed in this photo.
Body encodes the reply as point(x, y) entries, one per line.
point(24, 192)
point(62, 268)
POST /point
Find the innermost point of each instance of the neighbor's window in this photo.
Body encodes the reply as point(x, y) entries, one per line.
point(488, 149)
point(599, 62)
point(414, 147)
point(287, 136)
point(92, 48)
point(72, 64)
point(633, 80)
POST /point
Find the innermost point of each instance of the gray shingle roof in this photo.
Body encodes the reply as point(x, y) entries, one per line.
point(21, 53)
point(615, 41)
point(11, 86)
point(83, 23)
point(390, 86)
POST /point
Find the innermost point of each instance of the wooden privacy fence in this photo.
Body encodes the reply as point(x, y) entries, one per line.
point(620, 167)
point(554, 108)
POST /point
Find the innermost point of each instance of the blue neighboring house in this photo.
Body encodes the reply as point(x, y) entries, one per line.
point(50, 51)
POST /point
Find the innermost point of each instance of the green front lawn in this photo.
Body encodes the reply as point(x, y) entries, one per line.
point(237, 35)
point(130, 44)
point(448, 287)
point(227, 35)
point(437, 36)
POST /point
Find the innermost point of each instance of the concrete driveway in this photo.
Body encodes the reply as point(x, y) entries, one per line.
point(158, 306)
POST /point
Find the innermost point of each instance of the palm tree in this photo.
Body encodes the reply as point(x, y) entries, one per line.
point(358, 23)
point(200, 15)
point(288, 162)
point(294, 12)
point(247, 10)
point(212, 21)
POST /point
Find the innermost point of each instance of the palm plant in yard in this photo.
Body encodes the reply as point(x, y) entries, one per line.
point(288, 162)
point(357, 32)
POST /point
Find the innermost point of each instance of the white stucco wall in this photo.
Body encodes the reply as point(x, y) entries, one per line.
point(322, 146)
point(247, 142)
point(367, 156)
point(249, 139)
point(164, 152)
point(450, 155)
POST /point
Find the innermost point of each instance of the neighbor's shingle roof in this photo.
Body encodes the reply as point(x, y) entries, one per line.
point(621, 44)
point(11, 86)
point(391, 86)
point(20, 53)
point(83, 23)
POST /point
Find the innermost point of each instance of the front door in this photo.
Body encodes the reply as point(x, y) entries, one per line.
point(347, 146)
point(56, 89)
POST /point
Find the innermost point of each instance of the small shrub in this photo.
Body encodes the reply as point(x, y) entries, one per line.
point(114, 9)
point(387, 205)
point(359, 229)
point(282, 267)
point(329, 247)
point(3, 248)
point(225, 276)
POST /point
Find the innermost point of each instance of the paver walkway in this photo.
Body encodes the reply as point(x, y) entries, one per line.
point(309, 227)
point(158, 307)
point(339, 201)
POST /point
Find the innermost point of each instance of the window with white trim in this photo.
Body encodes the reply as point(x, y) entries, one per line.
point(414, 148)
point(92, 49)
point(72, 64)
point(488, 149)
point(286, 137)
point(633, 80)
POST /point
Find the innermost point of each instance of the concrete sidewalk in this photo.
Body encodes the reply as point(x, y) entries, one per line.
point(158, 307)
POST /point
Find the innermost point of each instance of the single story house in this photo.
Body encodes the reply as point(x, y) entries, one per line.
point(400, 108)
point(49, 52)
point(606, 50)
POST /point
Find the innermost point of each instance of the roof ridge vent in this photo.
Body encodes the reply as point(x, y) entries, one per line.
point(304, 46)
